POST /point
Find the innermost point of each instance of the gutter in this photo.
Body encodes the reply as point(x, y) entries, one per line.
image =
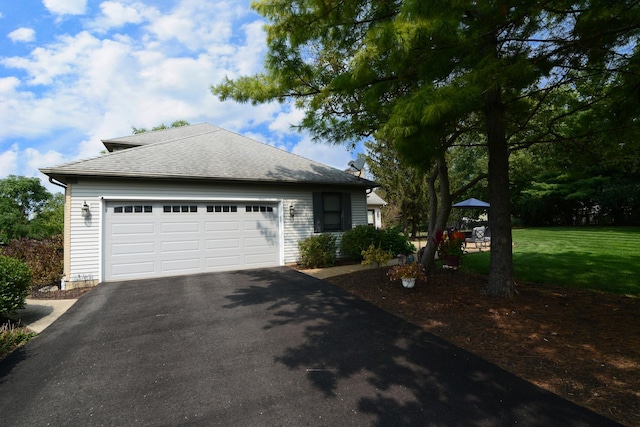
point(59, 184)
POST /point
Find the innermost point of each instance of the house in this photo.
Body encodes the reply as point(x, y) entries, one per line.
point(197, 199)
point(374, 202)
point(374, 206)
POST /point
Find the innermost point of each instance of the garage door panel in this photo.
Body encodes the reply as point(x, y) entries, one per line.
point(180, 246)
point(223, 261)
point(140, 248)
point(259, 259)
point(258, 225)
point(180, 227)
point(161, 242)
point(258, 242)
point(222, 226)
point(181, 265)
point(212, 244)
point(130, 229)
point(132, 268)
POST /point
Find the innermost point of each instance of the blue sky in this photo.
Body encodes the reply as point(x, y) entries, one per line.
point(73, 72)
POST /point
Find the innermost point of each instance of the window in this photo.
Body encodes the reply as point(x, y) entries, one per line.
point(179, 209)
point(258, 208)
point(133, 209)
point(331, 212)
point(222, 208)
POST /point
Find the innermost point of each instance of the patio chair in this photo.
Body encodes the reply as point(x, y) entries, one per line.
point(480, 237)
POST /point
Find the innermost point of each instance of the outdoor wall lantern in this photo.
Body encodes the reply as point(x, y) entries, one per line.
point(86, 213)
point(292, 211)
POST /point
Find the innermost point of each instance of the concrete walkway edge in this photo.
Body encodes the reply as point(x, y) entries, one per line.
point(39, 314)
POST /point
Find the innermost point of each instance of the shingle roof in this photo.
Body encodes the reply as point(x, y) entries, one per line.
point(203, 152)
point(374, 200)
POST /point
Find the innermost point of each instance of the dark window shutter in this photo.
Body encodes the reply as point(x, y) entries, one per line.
point(346, 211)
point(317, 213)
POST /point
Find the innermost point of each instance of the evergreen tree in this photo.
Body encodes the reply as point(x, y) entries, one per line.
point(403, 186)
point(417, 72)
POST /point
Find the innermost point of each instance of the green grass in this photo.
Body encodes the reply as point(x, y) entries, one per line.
point(600, 258)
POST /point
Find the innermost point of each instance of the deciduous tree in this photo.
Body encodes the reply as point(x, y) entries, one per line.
point(22, 199)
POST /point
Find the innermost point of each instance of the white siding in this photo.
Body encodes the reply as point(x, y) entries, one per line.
point(86, 234)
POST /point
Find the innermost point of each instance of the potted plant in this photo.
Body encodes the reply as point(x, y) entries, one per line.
point(408, 273)
point(450, 247)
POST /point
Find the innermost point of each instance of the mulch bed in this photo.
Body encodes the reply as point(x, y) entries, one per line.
point(582, 345)
point(58, 294)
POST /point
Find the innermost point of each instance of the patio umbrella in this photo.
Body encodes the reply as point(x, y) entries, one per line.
point(472, 203)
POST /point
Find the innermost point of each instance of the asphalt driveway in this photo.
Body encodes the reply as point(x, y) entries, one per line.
point(256, 348)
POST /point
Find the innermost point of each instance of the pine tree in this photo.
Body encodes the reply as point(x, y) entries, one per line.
point(415, 72)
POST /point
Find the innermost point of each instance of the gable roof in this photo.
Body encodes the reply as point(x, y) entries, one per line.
point(202, 152)
point(373, 199)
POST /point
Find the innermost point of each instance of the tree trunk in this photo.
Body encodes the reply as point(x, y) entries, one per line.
point(501, 282)
point(429, 251)
point(440, 210)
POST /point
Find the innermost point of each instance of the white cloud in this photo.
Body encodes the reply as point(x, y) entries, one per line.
point(249, 57)
point(9, 162)
point(92, 84)
point(116, 15)
point(285, 119)
point(36, 159)
point(22, 34)
point(66, 7)
point(195, 24)
point(44, 64)
point(337, 156)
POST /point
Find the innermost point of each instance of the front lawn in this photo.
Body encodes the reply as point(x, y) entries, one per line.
point(600, 258)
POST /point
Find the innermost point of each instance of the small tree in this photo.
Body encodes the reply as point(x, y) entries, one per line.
point(376, 255)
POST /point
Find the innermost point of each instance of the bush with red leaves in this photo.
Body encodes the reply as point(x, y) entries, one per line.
point(44, 258)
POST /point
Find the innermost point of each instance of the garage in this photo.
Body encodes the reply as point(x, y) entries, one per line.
point(144, 239)
point(196, 199)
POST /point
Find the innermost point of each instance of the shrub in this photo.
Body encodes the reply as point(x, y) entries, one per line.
point(317, 251)
point(12, 337)
point(44, 258)
point(359, 238)
point(376, 255)
point(15, 277)
point(396, 242)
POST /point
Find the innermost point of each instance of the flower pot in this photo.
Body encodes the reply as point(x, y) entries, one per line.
point(453, 261)
point(408, 282)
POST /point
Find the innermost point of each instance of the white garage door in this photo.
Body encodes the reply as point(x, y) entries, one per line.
point(154, 239)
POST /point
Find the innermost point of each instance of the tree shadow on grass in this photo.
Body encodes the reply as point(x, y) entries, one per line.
point(395, 373)
point(582, 269)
